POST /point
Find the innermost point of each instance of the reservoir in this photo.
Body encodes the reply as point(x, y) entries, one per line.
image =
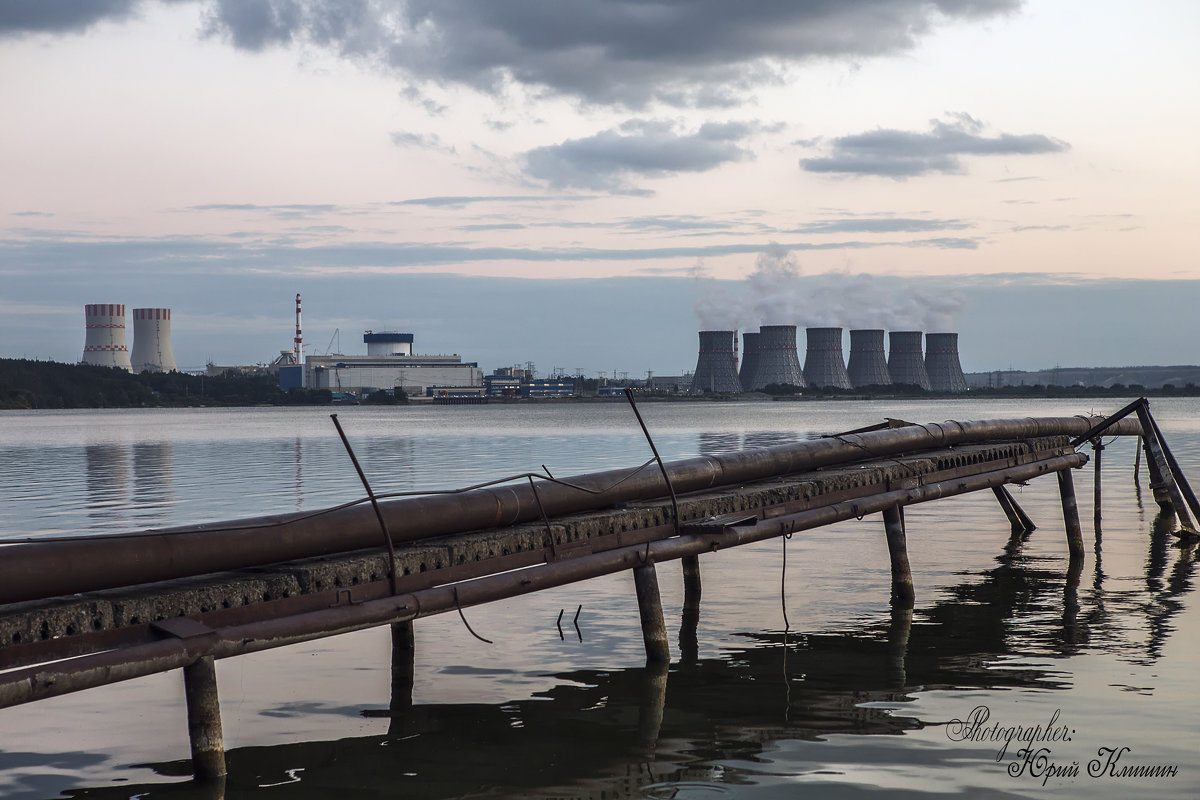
point(1004, 654)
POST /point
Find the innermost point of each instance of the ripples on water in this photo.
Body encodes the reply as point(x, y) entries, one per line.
point(849, 702)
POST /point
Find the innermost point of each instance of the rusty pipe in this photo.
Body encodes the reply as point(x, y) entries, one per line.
point(52, 567)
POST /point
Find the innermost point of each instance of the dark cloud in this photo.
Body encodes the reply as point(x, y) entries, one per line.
point(460, 201)
point(705, 53)
point(639, 148)
point(19, 17)
point(423, 141)
point(880, 225)
point(905, 154)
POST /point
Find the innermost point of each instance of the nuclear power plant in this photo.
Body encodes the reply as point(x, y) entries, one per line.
point(942, 364)
point(776, 361)
point(823, 363)
point(716, 366)
point(770, 357)
point(104, 344)
point(906, 364)
point(152, 340)
point(868, 365)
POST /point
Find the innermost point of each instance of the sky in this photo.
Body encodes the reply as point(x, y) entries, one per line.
point(585, 185)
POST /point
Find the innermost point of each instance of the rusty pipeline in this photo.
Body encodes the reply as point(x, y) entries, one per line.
point(51, 567)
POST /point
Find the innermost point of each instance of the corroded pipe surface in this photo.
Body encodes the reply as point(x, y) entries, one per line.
point(52, 567)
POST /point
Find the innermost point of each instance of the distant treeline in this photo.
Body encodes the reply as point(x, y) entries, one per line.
point(49, 384)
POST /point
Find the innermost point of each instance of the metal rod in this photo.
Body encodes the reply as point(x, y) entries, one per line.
point(903, 595)
point(1155, 456)
point(204, 718)
point(362, 476)
point(34, 683)
point(48, 568)
point(1109, 421)
point(1181, 480)
point(654, 627)
point(1020, 521)
point(1066, 490)
point(657, 457)
point(1137, 459)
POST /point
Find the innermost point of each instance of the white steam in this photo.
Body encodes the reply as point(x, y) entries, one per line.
point(776, 293)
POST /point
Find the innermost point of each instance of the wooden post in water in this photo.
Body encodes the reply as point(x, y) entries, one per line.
point(1020, 521)
point(689, 649)
point(204, 719)
point(654, 628)
point(404, 660)
point(1166, 490)
point(1098, 449)
point(1066, 490)
point(903, 595)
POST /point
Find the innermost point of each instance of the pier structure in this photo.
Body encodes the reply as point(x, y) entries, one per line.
point(83, 612)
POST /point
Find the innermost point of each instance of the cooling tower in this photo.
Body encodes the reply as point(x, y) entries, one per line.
point(823, 364)
point(749, 359)
point(105, 342)
point(905, 363)
point(716, 367)
point(868, 365)
point(152, 340)
point(941, 362)
point(777, 361)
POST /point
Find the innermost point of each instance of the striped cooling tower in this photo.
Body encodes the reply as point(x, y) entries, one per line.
point(716, 366)
point(941, 362)
point(868, 364)
point(823, 364)
point(104, 345)
point(906, 364)
point(152, 340)
point(777, 360)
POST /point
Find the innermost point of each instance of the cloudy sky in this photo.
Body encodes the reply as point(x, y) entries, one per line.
point(586, 184)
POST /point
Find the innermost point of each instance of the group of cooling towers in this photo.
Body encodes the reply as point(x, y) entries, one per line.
point(770, 357)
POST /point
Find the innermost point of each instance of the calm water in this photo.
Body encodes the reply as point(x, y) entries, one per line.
point(846, 702)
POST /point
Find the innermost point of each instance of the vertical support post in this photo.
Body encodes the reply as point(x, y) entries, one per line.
point(1098, 449)
point(1066, 490)
point(204, 719)
point(654, 629)
point(1020, 521)
point(1137, 460)
point(653, 704)
point(1156, 460)
point(404, 652)
point(689, 648)
point(903, 595)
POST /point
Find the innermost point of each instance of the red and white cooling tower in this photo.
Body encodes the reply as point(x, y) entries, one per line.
point(152, 340)
point(104, 345)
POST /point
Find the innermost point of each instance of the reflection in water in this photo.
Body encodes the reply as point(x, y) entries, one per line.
point(618, 734)
point(153, 493)
point(107, 477)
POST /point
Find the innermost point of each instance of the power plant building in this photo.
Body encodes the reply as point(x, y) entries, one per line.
point(868, 365)
point(823, 363)
point(104, 342)
point(942, 363)
point(906, 363)
point(716, 365)
point(152, 340)
point(776, 360)
point(389, 364)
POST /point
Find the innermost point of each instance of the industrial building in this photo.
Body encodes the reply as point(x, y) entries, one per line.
point(389, 364)
point(104, 343)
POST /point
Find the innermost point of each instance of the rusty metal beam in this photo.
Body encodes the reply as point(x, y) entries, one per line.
point(35, 683)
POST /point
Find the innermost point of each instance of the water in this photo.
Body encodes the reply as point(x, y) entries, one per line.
point(838, 704)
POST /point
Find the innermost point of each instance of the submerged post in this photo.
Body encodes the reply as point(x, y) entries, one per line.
point(689, 649)
point(903, 595)
point(204, 718)
point(1098, 448)
point(1066, 490)
point(654, 628)
point(1020, 521)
